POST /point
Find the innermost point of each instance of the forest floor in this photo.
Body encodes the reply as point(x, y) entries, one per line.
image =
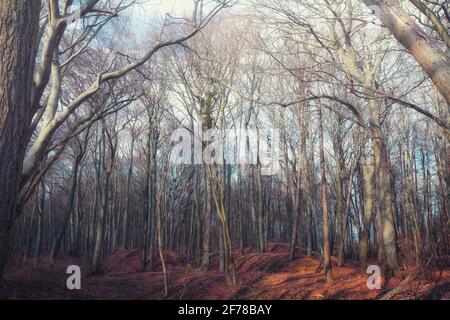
point(260, 276)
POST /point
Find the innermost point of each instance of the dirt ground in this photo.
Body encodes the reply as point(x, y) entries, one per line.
point(260, 276)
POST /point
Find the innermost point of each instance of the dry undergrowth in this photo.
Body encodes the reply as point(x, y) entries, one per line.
point(260, 276)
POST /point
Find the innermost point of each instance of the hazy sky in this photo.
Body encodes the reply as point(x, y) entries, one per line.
point(151, 9)
point(150, 13)
point(174, 7)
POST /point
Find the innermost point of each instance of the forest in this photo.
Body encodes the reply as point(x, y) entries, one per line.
point(225, 149)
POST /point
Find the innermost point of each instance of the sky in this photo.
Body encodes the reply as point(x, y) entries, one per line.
point(149, 14)
point(161, 7)
point(149, 10)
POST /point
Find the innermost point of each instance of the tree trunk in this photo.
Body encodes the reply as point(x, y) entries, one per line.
point(73, 186)
point(159, 199)
point(40, 199)
point(367, 172)
point(430, 57)
point(386, 210)
point(19, 25)
point(207, 224)
point(326, 229)
point(108, 147)
point(261, 220)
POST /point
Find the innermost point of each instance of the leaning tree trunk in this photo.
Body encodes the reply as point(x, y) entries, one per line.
point(19, 25)
point(431, 58)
